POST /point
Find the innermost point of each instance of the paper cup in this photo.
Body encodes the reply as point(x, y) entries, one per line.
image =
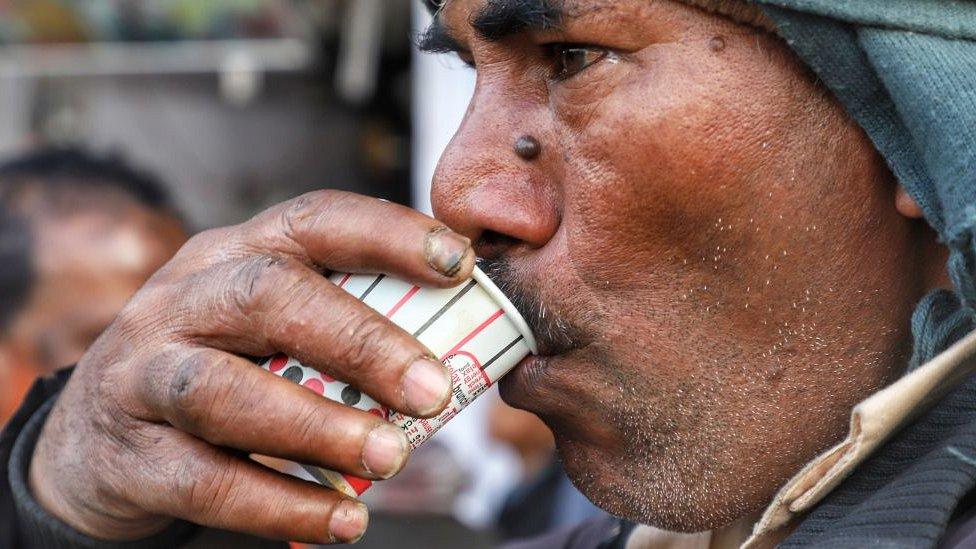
point(473, 328)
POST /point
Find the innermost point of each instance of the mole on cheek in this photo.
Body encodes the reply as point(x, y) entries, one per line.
point(716, 43)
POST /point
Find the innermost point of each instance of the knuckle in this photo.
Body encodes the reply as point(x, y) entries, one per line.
point(330, 198)
point(191, 391)
point(363, 342)
point(144, 317)
point(291, 319)
point(295, 212)
point(306, 425)
point(205, 400)
point(153, 373)
point(209, 247)
point(111, 387)
point(202, 241)
point(109, 419)
point(131, 318)
point(257, 279)
point(314, 210)
point(204, 484)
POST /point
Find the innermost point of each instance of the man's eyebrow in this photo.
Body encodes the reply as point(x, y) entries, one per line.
point(500, 18)
point(495, 20)
point(437, 39)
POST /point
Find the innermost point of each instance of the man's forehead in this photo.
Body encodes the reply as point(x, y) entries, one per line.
point(435, 5)
point(496, 19)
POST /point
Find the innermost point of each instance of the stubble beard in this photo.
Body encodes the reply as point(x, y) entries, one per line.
point(669, 466)
point(680, 437)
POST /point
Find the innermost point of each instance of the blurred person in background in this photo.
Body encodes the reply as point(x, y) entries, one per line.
point(545, 498)
point(79, 234)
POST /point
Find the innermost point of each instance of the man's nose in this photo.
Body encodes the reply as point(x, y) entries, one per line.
point(506, 202)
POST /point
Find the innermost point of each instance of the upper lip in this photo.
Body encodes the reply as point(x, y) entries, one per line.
point(553, 350)
point(553, 333)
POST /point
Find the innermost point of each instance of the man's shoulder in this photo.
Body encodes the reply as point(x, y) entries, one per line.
point(910, 489)
point(42, 390)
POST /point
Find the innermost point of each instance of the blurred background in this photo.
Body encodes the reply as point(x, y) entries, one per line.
point(128, 125)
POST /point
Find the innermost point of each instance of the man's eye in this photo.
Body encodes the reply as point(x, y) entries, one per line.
point(570, 60)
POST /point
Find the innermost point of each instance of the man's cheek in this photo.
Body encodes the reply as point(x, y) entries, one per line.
point(639, 232)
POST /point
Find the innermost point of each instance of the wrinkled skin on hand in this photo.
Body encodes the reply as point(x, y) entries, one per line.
point(161, 412)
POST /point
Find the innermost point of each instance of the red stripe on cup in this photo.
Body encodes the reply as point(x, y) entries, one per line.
point(359, 485)
point(410, 293)
point(477, 364)
point(345, 278)
point(473, 333)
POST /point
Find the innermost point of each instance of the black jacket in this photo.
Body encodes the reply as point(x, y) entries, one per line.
point(24, 524)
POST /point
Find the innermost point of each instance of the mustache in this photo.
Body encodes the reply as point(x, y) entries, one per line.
point(553, 332)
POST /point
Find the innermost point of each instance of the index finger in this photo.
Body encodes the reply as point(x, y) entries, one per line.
point(343, 231)
point(270, 304)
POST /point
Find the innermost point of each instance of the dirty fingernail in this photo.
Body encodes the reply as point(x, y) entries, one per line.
point(385, 450)
point(426, 386)
point(348, 522)
point(445, 250)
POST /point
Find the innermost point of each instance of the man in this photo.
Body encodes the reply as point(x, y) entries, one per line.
point(81, 234)
point(719, 251)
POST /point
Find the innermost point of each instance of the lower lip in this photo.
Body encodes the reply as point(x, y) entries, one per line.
point(526, 375)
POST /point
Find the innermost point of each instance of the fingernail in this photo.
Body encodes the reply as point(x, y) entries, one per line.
point(445, 250)
point(385, 450)
point(426, 386)
point(348, 522)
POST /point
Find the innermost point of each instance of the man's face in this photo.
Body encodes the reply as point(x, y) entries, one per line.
point(88, 264)
point(706, 246)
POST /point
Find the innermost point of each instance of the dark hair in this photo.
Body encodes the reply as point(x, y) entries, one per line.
point(54, 171)
point(56, 168)
point(16, 267)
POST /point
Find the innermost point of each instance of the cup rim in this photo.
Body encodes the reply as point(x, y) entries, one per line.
point(510, 311)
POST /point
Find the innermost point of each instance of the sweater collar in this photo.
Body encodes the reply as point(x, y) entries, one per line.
point(872, 422)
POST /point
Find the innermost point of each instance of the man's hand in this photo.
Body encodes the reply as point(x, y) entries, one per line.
point(160, 414)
